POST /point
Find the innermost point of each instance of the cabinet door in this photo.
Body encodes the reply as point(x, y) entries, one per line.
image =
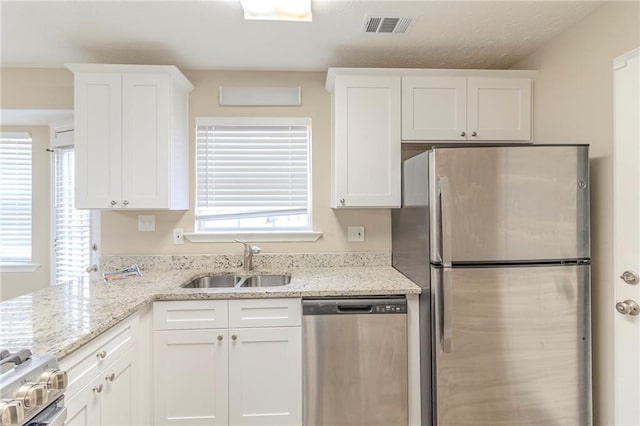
point(83, 408)
point(98, 143)
point(265, 370)
point(119, 396)
point(366, 142)
point(499, 109)
point(434, 108)
point(145, 140)
point(190, 374)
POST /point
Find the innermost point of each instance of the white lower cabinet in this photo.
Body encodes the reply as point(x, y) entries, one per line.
point(108, 399)
point(104, 379)
point(265, 371)
point(221, 376)
point(191, 377)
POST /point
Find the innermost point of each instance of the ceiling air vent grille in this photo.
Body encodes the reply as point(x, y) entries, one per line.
point(387, 24)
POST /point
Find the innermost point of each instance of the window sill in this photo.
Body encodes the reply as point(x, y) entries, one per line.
point(18, 267)
point(254, 237)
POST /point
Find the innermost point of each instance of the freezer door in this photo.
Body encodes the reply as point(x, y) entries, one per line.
point(509, 204)
point(512, 346)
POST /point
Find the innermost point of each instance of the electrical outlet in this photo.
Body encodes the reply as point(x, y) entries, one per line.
point(178, 236)
point(355, 234)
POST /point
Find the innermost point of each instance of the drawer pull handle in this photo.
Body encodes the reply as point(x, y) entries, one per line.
point(111, 377)
point(234, 337)
point(102, 354)
point(97, 388)
point(220, 338)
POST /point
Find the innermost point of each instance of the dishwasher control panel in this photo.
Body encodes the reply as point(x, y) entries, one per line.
point(330, 306)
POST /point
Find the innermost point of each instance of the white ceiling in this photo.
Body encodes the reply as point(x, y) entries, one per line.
point(211, 34)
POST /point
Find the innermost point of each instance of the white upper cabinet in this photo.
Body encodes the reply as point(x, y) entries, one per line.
point(437, 108)
point(366, 142)
point(499, 109)
point(434, 108)
point(131, 137)
point(374, 110)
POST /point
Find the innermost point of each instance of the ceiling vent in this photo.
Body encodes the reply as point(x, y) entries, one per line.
point(387, 24)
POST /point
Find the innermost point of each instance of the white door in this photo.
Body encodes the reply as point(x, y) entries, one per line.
point(118, 397)
point(499, 109)
point(76, 233)
point(98, 140)
point(434, 108)
point(190, 376)
point(627, 238)
point(145, 141)
point(366, 142)
point(265, 370)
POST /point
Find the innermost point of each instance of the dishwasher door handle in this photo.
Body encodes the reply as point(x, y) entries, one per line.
point(350, 309)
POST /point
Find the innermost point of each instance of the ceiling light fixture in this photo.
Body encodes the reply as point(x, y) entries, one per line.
point(277, 10)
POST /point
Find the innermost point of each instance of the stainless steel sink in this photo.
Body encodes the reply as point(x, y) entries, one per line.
point(212, 281)
point(264, 281)
point(228, 281)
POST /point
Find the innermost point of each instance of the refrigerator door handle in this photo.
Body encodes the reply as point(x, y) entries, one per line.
point(445, 221)
point(447, 310)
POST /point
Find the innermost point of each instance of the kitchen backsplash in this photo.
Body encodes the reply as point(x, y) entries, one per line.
point(261, 261)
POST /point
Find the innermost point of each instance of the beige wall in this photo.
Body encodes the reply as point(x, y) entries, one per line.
point(15, 284)
point(119, 230)
point(574, 103)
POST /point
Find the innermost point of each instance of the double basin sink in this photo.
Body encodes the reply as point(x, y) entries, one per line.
point(235, 281)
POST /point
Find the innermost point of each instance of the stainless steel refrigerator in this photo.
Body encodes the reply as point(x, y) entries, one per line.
point(498, 239)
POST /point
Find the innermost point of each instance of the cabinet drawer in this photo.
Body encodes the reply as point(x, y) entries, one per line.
point(265, 312)
point(82, 366)
point(190, 315)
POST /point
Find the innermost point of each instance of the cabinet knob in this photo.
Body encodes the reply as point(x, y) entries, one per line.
point(98, 388)
point(342, 200)
point(220, 337)
point(234, 337)
point(113, 202)
point(102, 354)
point(474, 134)
point(125, 202)
point(463, 134)
point(111, 377)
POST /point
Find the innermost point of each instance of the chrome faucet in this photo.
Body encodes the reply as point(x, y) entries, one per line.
point(249, 251)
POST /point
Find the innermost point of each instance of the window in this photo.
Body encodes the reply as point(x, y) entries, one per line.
point(72, 228)
point(253, 174)
point(15, 198)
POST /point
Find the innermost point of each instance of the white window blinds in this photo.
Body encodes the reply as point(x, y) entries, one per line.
point(72, 228)
point(252, 174)
point(15, 197)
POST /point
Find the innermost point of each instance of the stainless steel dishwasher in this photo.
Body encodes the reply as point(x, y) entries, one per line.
point(355, 361)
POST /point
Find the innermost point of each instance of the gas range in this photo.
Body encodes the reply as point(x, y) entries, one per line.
point(31, 389)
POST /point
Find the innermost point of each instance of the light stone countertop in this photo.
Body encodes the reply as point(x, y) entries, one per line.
point(62, 318)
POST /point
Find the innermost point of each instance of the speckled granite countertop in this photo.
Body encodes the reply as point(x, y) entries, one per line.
point(62, 318)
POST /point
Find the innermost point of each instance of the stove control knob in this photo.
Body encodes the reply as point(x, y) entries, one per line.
point(32, 395)
point(54, 380)
point(11, 412)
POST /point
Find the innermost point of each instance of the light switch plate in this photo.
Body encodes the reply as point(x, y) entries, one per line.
point(355, 234)
point(146, 222)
